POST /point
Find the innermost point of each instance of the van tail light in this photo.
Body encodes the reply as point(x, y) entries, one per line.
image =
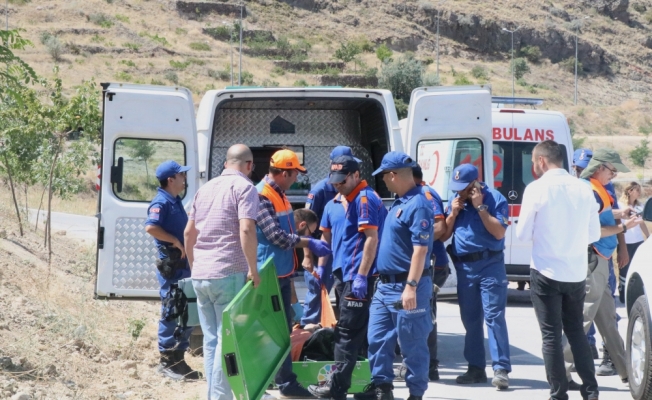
point(511, 110)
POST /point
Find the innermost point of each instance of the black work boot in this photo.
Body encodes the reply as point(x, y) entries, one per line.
point(433, 371)
point(472, 375)
point(168, 366)
point(384, 391)
point(188, 373)
point(415, 397)
point(368, 393)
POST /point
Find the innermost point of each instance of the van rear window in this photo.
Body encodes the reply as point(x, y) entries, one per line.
point(513, 169)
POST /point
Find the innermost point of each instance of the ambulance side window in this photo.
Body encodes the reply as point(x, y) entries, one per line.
point(140, 157)
point(438, 158)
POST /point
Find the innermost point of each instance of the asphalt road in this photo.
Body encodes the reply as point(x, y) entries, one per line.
point(76, 226)
point(527, 380)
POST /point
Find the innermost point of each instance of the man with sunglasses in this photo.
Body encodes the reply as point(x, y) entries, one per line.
point(166, 221)
point(358, 246)
point(477, 220)
point(400, 309)
point(320, 195)
point(275, 229)
point(599, 306)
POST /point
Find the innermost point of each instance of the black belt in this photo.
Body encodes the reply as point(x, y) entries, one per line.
point(471, 257)
point(400, 278)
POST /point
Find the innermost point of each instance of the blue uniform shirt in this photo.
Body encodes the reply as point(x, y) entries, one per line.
point(408, 223)
point(168, 213)
point(438, 250)
point(333, 222)
point(319, 196)
point(469, 234)
point(606, 245)
point(365, 211)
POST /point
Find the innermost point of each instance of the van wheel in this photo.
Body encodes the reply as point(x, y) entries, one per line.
point(639, 351)
point(521, 285)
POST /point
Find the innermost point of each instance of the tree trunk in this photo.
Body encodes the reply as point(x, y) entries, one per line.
point(38, 213)
point(13, 194)
point(48, 236)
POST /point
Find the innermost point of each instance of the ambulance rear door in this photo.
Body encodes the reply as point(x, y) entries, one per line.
point(516, 132)
point(143, 126)
point(448, 126)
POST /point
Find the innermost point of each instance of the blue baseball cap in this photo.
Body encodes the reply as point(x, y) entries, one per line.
point(462, 176)
point(341, 167)
point(343, 151)
point(168, 169)
point(395, 160)
point(581, 157)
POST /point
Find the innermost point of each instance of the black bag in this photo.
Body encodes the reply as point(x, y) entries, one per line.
point(175, 306)
point(320, 346)
point(169, 265)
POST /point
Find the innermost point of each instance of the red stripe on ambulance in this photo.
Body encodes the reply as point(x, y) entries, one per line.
point(530, 135)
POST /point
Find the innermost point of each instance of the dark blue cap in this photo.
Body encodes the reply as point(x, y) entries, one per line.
point(395, 160)
point(462, 176)
point(581, 157)
point(168, 169)
point(341, 167)
point(343, 151)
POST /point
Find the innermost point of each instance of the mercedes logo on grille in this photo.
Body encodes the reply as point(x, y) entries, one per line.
point(512, 195)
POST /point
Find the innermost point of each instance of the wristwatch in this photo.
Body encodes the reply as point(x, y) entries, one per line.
point(482, 207)
point(624, 228)
point(412, 283)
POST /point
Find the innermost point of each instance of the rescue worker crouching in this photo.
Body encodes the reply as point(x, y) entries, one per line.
point(166, 221)
point(477, 220)
point(400, 308)
point(358, 245)
point(275, 230)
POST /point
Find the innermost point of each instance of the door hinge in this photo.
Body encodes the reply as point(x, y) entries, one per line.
point(100, 238)
point(110, 95)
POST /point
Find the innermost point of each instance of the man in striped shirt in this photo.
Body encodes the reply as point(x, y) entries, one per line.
point(221, 244)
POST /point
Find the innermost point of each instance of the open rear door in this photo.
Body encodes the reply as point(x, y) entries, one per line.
point(143, 126)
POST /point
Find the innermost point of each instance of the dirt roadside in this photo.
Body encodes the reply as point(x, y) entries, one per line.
point(57, 342)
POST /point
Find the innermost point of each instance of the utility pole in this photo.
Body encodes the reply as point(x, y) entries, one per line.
point(231, 43)
point(577, 32)
point(240, 62)
point(512, 32)
point(439, 12)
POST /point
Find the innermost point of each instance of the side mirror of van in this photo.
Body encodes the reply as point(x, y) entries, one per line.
point(647, 211)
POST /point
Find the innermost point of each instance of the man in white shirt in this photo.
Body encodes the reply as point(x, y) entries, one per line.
point(559, 215)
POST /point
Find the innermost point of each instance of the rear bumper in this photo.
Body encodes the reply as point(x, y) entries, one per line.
point(517, 272)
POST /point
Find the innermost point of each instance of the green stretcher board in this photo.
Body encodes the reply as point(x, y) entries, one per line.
point(255, 341)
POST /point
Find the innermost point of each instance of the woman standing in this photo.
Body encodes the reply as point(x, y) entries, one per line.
point(634, 236)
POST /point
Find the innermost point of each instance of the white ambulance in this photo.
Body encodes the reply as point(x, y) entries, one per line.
point(145, 125)
point(515, 132)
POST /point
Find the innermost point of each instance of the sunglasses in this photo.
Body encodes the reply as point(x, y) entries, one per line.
point(613, 171)
point(343, 180)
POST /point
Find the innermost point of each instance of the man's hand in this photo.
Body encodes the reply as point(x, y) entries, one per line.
point(409, 298)
point(457, 205)
point(179, 246)
point(307, 263)
point(319, 274)
point(623, 259)
point(476, 197)
point(359, 287)
point(632, 222)
point(319, 248)
point(254, 277)
point(623, 213)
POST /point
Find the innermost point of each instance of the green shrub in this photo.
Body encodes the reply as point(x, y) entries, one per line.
point(180, 65)
point(401, 108)
point(532, 89)
point(640, 153)
point(479, 72)
point(300, 83)
point(461, 80)
point(531, 53)
point(648, 17)
point(347, 52)
point(97, 38)
point(371, 72)
point(55, 48)
point(157, 82)
point(122, 18)
point(278, 71)
point(384, 53)
point(44, 36)
point(247, 78)
point(520, 67)
point(128, 63)
point(639, 7)
point(131, 46)
point(196, 61)
point(401, 76)
point(181, 31)
point(521, 82)
point(365, 45)
point(123, 76)
point(431, 80)
point(172, 77)
point(223, 74)
point(581, 112)
point(101, 19)
point(269, 83)
point(156, 38)
point(569, 65)
point(136, 327)
point(428, 61)
point(200, 46)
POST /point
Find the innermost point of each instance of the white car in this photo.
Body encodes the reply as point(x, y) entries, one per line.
point(639, 337)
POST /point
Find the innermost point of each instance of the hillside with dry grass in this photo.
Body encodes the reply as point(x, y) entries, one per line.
point(293, 42)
